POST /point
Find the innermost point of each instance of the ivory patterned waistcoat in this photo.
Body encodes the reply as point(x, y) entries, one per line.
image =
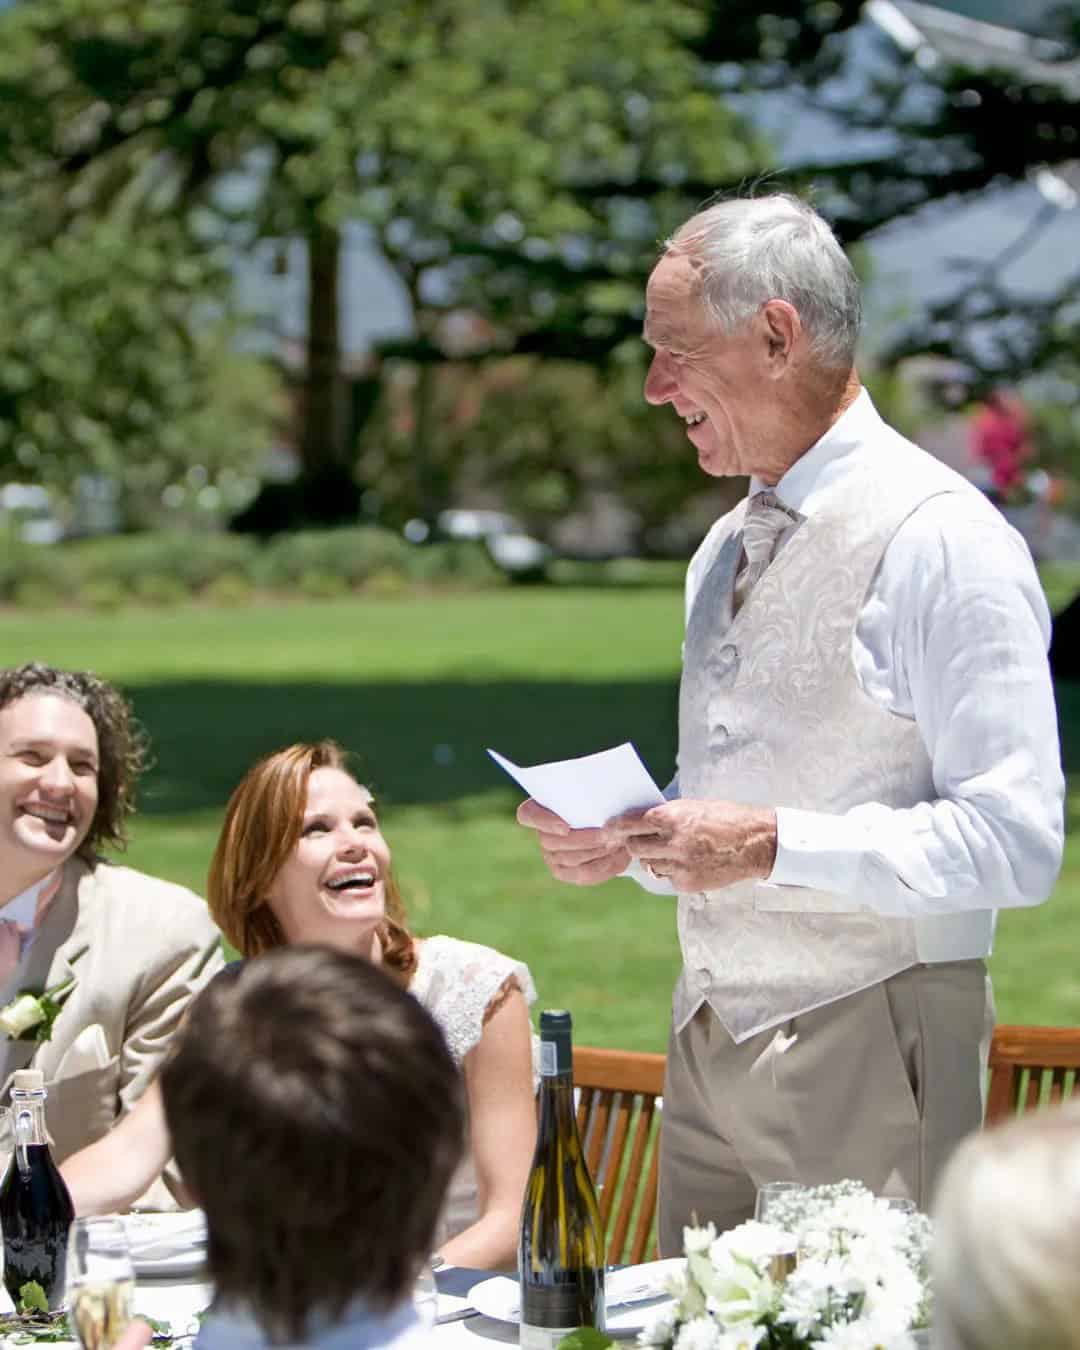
point(771, 712)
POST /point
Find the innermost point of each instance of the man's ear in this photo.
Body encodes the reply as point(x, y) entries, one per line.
point(781, 330)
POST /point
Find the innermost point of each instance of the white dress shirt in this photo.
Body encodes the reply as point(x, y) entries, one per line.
point(953, 634)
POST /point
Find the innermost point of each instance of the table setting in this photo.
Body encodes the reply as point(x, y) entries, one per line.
point(810, 1256)
point(168, 1253)
point(148, 1265)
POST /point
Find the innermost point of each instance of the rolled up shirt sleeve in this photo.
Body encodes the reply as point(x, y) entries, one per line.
point(954, 634)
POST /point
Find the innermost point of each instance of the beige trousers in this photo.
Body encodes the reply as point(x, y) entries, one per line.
point(879, 1086)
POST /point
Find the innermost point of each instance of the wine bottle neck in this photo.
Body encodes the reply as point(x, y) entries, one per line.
point(556, 1104)
point(28, 1124)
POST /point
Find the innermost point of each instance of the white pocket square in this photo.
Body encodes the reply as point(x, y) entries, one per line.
point(89, 1050)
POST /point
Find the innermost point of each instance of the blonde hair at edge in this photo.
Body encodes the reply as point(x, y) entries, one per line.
point(1007, 1238)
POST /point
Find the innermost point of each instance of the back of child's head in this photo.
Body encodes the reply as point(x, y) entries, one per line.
point(318, 1115)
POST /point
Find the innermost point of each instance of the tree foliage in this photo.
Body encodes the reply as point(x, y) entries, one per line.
point(547, 439)
point(465, 133)
point(515, 161)
point(110, 364)
point(913, 131)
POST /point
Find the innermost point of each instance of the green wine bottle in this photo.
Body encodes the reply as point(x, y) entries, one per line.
point(561, 1247)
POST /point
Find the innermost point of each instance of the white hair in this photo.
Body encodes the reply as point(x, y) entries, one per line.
point(754, 249)
point(1007, 1238)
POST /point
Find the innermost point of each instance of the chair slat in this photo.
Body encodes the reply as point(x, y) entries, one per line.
point(1001, 1099)
point(616, 1150)
point(647, 1213)
point(642, 1132)
point(601, 1114)
point(617, 1107)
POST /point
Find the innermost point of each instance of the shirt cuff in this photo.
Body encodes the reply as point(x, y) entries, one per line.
point(816, 849)
point(645, 879)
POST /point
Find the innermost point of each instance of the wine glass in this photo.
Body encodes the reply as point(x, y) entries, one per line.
point(900, 1203)
point(100, 1282)
point(785, 1258)
point(769, 1193)
point(426, 1295)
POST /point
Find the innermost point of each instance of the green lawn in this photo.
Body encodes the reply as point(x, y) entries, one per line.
point(419, 686)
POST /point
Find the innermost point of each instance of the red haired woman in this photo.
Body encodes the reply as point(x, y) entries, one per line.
point(301, 858)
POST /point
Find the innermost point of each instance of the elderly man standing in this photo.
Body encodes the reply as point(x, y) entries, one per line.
point(868, 758)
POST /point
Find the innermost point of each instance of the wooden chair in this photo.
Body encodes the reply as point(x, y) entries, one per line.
point(620, 1098)
point(618, 1107)
point(1031, 1067)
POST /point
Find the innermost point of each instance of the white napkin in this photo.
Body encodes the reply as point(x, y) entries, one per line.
point(157, 1237)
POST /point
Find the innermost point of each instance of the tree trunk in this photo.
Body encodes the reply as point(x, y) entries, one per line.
point(322, 430)
point(423, 399)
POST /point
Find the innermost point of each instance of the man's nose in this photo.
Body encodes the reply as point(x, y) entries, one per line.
point(57, 775)
point(659, 386)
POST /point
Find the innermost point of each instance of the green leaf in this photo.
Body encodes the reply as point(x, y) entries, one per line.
point(34, 1327)
point(44, 1029)
point(32, 1298)
point(585, 1338)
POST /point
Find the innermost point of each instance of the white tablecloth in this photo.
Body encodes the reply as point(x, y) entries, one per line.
point(177, 1302)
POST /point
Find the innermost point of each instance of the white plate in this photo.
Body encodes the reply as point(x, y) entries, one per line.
point(498, 1297)
point(164, 1246)
point(171, 1267)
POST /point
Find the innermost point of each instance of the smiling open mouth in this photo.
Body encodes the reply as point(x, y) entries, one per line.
point(694, 419)
point(49, 815)
point(355, 881)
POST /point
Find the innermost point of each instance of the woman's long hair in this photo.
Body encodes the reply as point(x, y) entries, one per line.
point(262, 826)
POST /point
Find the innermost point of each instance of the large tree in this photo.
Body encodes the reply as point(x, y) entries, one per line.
point(514, 162)
point(466, 133)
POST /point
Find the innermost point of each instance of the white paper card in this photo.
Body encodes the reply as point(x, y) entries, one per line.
point(587, 792)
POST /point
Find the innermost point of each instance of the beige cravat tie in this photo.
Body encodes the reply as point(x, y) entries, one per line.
point(765, 521)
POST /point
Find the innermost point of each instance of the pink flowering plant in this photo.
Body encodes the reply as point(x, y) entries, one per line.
point(835, 1266)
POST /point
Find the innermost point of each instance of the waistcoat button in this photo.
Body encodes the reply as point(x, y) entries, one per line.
point(724, 665)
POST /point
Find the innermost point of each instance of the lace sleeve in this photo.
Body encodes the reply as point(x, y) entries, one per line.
point(462, 983)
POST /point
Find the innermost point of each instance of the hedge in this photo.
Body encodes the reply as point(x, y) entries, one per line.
point(170, 568)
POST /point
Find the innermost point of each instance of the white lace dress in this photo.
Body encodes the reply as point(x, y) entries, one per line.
point(457, 982)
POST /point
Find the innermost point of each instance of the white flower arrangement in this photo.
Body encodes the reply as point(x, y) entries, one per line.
point(859, 1279)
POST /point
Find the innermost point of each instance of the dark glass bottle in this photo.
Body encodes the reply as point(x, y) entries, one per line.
point(35, 1207)
point(561, 1246)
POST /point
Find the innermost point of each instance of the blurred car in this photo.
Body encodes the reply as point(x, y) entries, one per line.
point(26, 510)
point(512, 550)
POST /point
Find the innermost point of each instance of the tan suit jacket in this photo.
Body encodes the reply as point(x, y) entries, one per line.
point(139, 949)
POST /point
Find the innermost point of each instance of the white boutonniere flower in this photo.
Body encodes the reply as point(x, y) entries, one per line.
point(31, 1013)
